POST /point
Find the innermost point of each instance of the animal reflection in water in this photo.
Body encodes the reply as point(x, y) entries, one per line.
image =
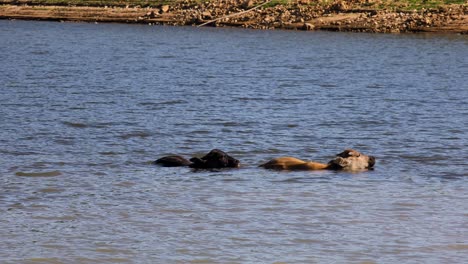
point(350, 160)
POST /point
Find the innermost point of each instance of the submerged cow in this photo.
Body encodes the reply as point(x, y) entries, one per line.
point(349, 159)
point(215, 159)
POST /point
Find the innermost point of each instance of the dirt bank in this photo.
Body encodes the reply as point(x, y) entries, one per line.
point(353, 15)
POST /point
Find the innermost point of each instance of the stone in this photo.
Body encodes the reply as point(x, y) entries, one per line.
point(164, 8)
point(248, 4)
point(207, 15)
point(308, 26)
point(150, 14)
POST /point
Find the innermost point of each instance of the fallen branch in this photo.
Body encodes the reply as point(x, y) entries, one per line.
point(236, 14)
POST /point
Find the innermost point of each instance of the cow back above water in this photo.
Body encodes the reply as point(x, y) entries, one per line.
point(350, 160)
point(215, 159)
point(172, 161)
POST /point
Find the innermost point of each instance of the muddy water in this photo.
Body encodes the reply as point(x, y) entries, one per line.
point(85, 108)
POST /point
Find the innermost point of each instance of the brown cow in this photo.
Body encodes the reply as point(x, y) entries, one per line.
point(349, 159)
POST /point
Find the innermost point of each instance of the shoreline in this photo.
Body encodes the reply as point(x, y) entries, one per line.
point(337, 16)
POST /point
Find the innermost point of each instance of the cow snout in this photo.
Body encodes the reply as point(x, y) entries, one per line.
point(371, 161)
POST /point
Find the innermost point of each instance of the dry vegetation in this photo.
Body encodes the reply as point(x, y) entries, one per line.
point(339, 15)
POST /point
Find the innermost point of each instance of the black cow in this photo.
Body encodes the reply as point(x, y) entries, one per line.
point(215, 159)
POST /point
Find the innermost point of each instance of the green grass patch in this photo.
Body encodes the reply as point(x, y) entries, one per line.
point(414, 4)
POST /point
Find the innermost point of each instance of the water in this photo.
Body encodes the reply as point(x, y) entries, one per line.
point(85, 108)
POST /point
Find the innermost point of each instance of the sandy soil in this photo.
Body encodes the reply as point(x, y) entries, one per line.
point(451, 19)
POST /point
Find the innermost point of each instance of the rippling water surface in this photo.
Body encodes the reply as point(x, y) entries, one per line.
point(85, 108)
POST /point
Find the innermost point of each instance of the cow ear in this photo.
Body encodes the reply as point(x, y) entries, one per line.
point(344, 154)
point(353, 153)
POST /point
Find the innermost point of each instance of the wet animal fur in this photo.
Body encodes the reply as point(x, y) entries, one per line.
point(215, 159)
point(347, 160)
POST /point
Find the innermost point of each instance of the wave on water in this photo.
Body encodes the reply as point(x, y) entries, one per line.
point(38, 174)
point(75, 124)
point(135, 134)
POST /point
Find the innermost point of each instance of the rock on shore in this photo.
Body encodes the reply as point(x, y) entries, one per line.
point(353, 15)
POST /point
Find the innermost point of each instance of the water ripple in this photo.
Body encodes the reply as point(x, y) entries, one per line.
point(86, 108)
